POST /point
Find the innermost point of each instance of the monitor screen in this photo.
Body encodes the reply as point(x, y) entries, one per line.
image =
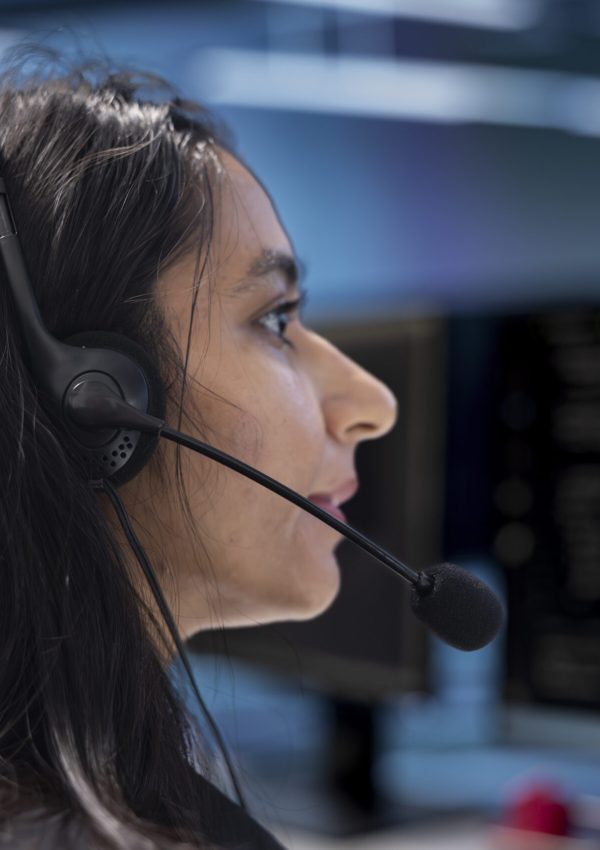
point(523, 486)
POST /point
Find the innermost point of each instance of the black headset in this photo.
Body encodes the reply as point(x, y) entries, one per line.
point(86, 374)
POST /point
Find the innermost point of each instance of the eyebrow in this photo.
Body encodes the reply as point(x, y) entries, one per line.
point(292, 269)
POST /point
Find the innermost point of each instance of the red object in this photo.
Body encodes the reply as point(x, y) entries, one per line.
point(539, 808)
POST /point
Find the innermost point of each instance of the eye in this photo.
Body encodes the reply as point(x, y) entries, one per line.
point(277, 319)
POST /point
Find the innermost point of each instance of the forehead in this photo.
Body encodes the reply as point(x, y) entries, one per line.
point(246, 226)
point(246, 221)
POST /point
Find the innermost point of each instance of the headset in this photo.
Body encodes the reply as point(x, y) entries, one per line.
point(110, 396)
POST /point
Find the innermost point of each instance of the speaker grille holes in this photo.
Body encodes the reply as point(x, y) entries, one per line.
point(114, 457)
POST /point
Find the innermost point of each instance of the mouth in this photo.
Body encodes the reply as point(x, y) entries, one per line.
point(331, 502)
point(328, 506)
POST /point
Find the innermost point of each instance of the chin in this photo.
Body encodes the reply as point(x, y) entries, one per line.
point(316, 593)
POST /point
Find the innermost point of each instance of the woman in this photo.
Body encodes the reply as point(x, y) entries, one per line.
point(136, 217)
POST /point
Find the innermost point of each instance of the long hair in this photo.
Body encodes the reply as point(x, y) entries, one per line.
point(108, 191)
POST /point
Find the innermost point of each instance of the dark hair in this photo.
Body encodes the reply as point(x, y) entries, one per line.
point(108, 191)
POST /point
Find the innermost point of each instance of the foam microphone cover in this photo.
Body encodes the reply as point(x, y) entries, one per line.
point(460, 608)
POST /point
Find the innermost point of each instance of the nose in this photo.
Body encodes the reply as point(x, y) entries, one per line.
point(356, 405)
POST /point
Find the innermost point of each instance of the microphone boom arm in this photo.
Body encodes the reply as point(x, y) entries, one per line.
point(415, 578)
point(92, 404)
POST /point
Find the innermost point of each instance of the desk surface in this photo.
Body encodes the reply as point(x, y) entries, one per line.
point(455, 835)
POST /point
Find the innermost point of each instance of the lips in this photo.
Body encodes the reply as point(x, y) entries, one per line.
point(330, 501)
point(328, 506)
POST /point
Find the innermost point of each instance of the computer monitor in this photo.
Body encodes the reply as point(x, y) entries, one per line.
point(523, 486)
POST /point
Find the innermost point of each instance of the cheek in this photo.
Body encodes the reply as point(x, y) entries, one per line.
point(264, 410)
point(291, 452)
point(278, 425)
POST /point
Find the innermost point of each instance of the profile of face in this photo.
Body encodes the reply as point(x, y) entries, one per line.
point(295, 412)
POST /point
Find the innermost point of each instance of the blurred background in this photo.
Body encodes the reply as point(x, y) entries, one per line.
point(437, 166)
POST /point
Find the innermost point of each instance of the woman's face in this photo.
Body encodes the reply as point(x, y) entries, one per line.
point(296, 414)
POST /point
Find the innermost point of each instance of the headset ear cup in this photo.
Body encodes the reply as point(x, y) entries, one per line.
point(147, 443)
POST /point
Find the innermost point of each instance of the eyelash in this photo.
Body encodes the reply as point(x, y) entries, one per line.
point(285, 310)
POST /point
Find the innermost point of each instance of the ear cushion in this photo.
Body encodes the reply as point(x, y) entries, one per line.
point(147, 443)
